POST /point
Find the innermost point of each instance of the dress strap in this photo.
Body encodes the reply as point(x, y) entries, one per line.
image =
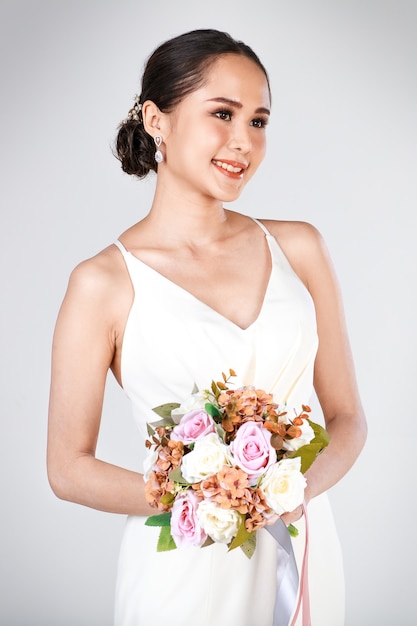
point(120, 246)
point(264, 228)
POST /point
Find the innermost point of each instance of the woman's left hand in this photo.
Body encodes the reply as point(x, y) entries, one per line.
point(293, 516)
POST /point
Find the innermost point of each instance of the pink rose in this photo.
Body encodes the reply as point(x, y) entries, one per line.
point(252, 450)
point(193, 426)
point(185, 527)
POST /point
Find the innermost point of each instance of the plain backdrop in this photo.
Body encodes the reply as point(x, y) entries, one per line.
point(342, 154)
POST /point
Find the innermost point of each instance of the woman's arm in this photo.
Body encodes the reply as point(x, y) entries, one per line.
point(334, 375)
point(86, 340)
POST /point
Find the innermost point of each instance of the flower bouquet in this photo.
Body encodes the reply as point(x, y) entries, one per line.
point(225, 463)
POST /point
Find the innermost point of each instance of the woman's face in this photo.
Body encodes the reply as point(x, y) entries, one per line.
point(216, 138)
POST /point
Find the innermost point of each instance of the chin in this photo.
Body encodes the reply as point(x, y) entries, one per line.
point(230, 196)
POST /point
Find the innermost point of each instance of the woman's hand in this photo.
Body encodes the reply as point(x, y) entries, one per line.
point(293, 516)
point(334, 375)
point(87, 341)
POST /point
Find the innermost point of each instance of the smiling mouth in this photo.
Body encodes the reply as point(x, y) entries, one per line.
point(232, 168)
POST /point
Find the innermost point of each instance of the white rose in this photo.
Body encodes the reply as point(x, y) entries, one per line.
point(283, 485)
point(207, 458)
point(193, 401)
point(149, 463)
point(220, 524)
point(307, 434)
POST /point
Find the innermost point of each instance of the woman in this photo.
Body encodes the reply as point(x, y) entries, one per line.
point(190, 291)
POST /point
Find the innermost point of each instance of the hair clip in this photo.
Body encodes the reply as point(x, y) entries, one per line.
point(135, 112)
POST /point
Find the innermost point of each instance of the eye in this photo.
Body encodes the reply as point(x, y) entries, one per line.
point(224, 115)
point(259, 122)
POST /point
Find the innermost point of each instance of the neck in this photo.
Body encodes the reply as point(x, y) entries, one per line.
point(187, 218)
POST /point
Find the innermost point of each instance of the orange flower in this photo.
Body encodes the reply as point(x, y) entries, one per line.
point(169, 457)
point(157, 486)
point(227, 488)
point(259, 513)
point(234, 480)
point(293, 432)
point(279, 428)
point(210, 487)
point(255, 522)
point(243, 405)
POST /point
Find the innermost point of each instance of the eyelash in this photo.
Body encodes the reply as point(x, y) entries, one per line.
point(258, 122)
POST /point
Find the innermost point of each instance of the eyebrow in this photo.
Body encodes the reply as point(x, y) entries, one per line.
point(237, 105)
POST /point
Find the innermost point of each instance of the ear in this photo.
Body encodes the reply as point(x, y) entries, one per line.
point(155, 122)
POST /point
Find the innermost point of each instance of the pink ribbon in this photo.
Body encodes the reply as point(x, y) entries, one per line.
point(304, 591)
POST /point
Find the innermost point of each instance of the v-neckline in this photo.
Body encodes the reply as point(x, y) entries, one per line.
point(204, 304)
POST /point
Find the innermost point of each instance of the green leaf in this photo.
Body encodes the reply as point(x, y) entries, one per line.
point(166, 422)
point(163, 519)
point(195, 389)
point(151, 431)
point(321, 434)
point(164, 410)
point(242, 534)
point(310, 451)
point(215, 389)
point(249, 545)
point(168, 498)
point(293, 530)
point(177, 476)
point(220, 431)
point(308, 454)
point(212, 410)
point(165, 541)
point(208, 542)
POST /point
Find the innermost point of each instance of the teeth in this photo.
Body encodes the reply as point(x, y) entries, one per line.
point(228, 167)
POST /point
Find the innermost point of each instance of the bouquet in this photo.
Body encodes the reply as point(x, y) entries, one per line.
point(225, 463)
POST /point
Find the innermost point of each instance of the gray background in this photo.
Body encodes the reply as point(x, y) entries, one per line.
point(342, 154)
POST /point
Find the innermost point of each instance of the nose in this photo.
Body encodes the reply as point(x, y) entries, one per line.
point(240, 139)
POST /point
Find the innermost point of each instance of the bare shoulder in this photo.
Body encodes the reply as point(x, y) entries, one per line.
point(302, 244)
point(101, 275)
point(294, 234)
point(99, 293)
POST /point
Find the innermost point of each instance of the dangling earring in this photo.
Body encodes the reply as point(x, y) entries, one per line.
point(159, 157)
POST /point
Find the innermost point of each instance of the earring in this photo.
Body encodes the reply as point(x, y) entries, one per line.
point(159, 157)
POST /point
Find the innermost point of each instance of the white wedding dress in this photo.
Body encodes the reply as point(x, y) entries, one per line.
point(173, 341)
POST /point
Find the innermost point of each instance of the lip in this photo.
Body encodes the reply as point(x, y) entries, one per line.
point(235, 164)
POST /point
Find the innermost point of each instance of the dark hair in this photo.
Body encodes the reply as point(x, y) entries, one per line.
point(174, 70)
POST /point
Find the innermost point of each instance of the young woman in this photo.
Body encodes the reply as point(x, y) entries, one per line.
point(190, 291)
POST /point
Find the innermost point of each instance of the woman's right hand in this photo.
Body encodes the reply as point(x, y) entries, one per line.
point(87, 342)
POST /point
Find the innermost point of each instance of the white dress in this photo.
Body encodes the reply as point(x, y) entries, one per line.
point(172, 341)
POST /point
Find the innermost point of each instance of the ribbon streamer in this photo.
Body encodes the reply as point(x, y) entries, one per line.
point(288, 585)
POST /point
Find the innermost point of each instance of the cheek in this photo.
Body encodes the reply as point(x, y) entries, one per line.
point(259, 145)
point(216, 136)
point(192, 145)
